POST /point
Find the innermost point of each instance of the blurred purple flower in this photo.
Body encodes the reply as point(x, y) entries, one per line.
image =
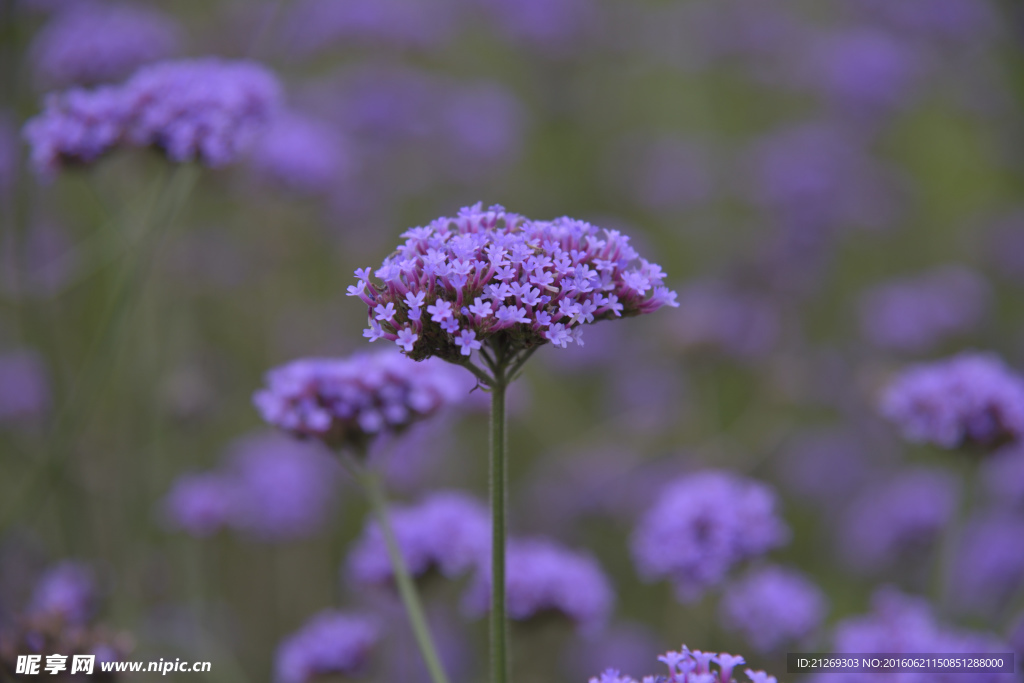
point(332, 642)
point(701, 526)
point(447, 531)
point(207, 110)
point(24, 386)
point(314, 26)
point(460, 282)
point(692, 666)
point(544, 577)
point(824, 467)
point(554, 26)
point(902, 624)
point(97, 42)
point(200, 504)
point(38, 263)
point(864, 72)
point(1003, 477)
point(66, 590)
point(773, 607)
point(301, 154)
point(484, 125)
point(349, 402)
point(817, 175)
point(960, 20)
point(969, 399)
point(625, 646)
point(917, 313)
point(898, 519)
point(989, 568)
point(714, 315)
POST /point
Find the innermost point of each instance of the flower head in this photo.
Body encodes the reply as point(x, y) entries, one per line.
point(692, 666)
point(773, 607)
point(447, 531)
point(544, 577)
point(348, 402)
point(701, 526)
point(206, 110)
point(493, 278)
point(300, 154)
point(101, 42)
point(68, 591)
point(969, 399)
point(332, 642)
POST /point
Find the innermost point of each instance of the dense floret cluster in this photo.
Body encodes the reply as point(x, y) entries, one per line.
point(489, 277)
point(692, 666)
point(332, 642)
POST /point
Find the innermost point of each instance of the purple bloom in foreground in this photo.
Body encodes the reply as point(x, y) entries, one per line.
point(207, 110)
point(101, 42)
point(332, 642)
point(24, 386)
point(899, 518)
point(511, 281)
point(901, 624)
point(543, 577)
point(701, 526)
point(447, 531)
point(348, 402)
point(301, 154)
point(917, 313)
point(969, 399)
point(693, 666)
point(67, 591)
point(773, 607)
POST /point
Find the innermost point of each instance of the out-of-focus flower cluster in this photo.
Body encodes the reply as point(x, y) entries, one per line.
point(331, 642)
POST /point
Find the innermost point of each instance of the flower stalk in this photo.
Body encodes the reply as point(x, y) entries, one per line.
point(498, 495)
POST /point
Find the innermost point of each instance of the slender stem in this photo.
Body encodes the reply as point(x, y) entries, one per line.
point(406, 588)
point(499, 485)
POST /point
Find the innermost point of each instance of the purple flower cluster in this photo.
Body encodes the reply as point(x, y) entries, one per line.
point(314, 26)
point(332, 642)
point(543, 577)
point(208, 110)
point(773, 607)
point(969, 399)
point(701, 526)
point(550, 25)
point(348, 402)
point(692, 666)
point(989, 568)
point(301, 154)
point(269, 488)
point(24, 386)
point(447, 531)
point(900, 518)
point(740, 324)
point(66, 591)
point(917, 313)
point(497, 278)
point(97, 42)
point(898, 624)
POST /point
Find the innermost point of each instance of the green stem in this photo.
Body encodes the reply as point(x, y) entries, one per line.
point(406, 588)
point(499, 486)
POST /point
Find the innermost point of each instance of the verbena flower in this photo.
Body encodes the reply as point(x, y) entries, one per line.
point(24, 386)
point(903, 624)
point(971, 399)
point(898, 519)
point(953, 20)
point(349, 402)
point(301, 154)
point(693, 666)
point(269, 487)
point(101, 42)
point(488, 277)
point(447, 531)
point(332, 642)
point(917, 313)
point(701, 526)
point(773, 607)
point(543, 577)
point(989, 565)
point(206, 110)
point(67, 591)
